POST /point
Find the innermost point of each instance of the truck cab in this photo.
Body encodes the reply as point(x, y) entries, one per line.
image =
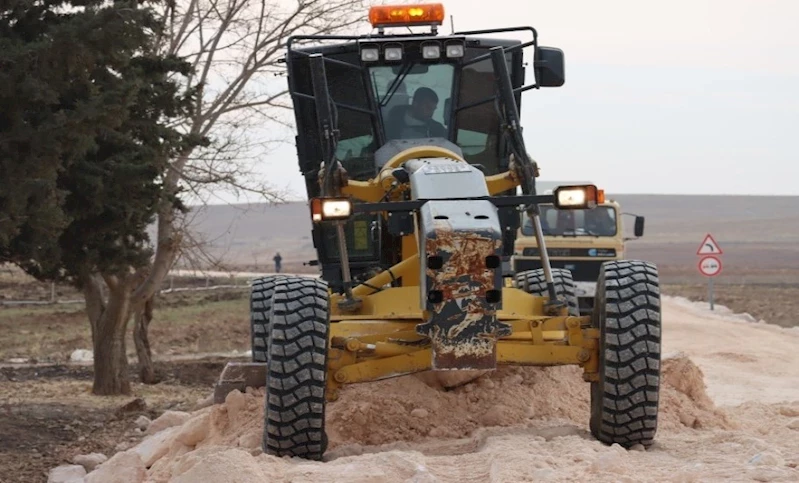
point(577, 240)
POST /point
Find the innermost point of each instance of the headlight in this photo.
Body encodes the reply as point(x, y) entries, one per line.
point(393, 53)
point(454, 50)
point(370, 54)
point(336, 209)
point(328, 209)
point(571, 197)
point(432, 51)
point(578, 197)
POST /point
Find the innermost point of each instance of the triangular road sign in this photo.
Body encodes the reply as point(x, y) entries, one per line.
point(709, 246)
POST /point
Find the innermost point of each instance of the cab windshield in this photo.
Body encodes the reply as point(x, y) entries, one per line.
point(599, 221)
point(413, 99)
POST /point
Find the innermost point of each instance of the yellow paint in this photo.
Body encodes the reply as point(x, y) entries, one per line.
point(373, 370)
point(501, 182)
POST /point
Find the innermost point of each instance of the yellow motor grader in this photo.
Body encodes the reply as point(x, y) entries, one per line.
point(413, 155)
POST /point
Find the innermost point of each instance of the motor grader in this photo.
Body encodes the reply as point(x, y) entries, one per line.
point(416, 173)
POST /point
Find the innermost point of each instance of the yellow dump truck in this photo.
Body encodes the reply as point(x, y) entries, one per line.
point(577, 241)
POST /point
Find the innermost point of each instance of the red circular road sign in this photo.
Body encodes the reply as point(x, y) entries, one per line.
point(710, 266)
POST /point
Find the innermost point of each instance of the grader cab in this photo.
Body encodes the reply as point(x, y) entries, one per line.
point(412, 151)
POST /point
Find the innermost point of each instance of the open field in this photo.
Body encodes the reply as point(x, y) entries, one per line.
point(49, 416)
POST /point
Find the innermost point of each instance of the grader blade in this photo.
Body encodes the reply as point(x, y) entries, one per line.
point(239, 375)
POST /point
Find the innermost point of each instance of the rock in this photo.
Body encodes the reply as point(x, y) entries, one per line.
point(67, 474)
point(217, 468)
point(81, 355)
point(136, 405)
point(143, 422)
point(156, 446)
point(794, 424)
point(167, 420)
point(419, 413)
point(487, 383)
point(90, 461)
point(494, 416)
point(18, 360)
point(638, 447)
point(194, 431)
point(126, 467)
point(204, 403)
point(250, 440)
point(235, 401)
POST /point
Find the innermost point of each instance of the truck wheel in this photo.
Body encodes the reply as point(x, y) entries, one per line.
point(296, 374)
point(624, 401)
point(260, 308)
point(534, 282)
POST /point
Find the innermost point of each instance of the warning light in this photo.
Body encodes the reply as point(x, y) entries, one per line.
point(406, 15)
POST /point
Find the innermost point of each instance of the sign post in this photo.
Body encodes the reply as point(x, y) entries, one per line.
point(709, 265)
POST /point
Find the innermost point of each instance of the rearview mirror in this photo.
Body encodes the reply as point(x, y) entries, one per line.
point(549, 70)
point(639, 226)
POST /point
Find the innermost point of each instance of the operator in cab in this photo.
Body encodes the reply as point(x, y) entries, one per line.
point(599, 222)
point(416, 120)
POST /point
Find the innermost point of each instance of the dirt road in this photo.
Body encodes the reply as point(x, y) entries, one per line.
point(729, 411)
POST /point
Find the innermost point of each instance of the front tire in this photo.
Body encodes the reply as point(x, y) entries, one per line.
point(624, 402)
point(294, 406)
point(260, 311)
point(534, 282)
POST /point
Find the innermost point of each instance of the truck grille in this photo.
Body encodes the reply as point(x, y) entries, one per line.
point(572, 252)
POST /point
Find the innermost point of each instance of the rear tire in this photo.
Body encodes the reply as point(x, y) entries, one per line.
point(260, 310)
point(294, 406)
point(624, 402)
point(534, 282)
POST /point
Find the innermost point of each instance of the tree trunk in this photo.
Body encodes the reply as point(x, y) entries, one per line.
point(141, 338)
point(109, 321)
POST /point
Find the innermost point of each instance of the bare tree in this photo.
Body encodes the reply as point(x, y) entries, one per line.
point(235, 47)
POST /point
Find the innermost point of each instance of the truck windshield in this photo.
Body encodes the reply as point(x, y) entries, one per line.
point(600, 221)
point(413, 99)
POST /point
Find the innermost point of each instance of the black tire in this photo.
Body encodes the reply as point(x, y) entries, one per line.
point(534, 282)
point(260, 310)
point(625, 400)
point(294, 406)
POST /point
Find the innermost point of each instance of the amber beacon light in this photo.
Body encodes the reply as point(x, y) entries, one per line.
point(401, 15)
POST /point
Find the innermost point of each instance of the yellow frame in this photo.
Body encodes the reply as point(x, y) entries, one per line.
point(376, 339)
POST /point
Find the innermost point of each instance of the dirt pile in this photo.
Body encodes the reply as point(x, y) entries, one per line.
point(401, 426)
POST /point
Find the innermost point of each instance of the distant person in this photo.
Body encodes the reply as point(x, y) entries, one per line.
point(277, 258)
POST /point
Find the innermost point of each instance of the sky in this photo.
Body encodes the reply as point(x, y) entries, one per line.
point(672, 97)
